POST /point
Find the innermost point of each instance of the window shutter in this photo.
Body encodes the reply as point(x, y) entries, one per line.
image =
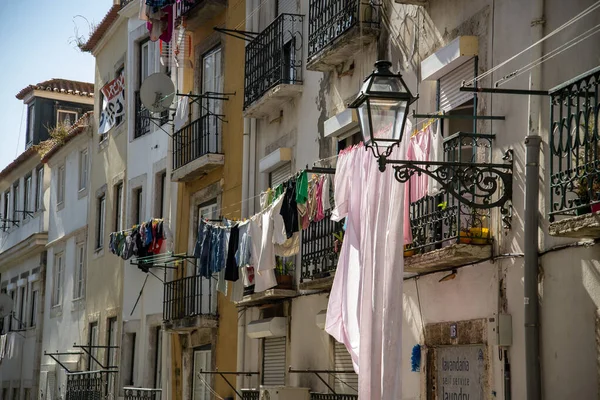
point(280, 175)
point(343, 362)
point(450, 95)
point(202, 362)
point(274, 361)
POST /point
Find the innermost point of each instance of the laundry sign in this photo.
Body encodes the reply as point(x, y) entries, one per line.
point(460, 372)
point(113, 105)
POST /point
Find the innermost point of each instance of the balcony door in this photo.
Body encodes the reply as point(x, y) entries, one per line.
point(211, 108)
point(201, 382)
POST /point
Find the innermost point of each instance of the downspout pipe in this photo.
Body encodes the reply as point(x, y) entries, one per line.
point(531, 217)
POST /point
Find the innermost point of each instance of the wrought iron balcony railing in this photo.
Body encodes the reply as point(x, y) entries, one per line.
point(448, 218)
point(575, 146)
point(92, 385)
point(320, 248)
point(331, 396)
point(142, 118)
point(197, 139)
point(250, 394)
point(183, 7)
point(274, 57)
point(331, 19)
point(142, 393)
point(189, 297)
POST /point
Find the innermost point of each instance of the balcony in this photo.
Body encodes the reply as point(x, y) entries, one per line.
point(197, 12)
point(273, 72)
point(448, 232)
point(284, 272)
point(132, 393)
point(575, 158)
point(142, 118)
point(331, 396)
point(334, 31)
point(197, 148)
point(190, 303)
point(91, 385)
point(321, 244)
point(250, 394)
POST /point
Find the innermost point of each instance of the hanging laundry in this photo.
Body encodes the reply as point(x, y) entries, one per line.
point(436, 154)
point(319, 214)
point(325, 198)
point(302, 188)
point(289, 209)
point(232, 271)
point(181, 114)
point(266, 279)
point(289, 247)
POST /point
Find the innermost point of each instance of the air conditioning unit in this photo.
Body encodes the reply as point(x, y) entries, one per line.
point(284, 393)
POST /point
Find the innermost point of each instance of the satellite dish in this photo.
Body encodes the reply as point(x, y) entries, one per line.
point(6, 305)
point(157, 92)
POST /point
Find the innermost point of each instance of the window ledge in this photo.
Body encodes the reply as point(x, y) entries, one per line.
point(56, 311)
point(60, 206)
point(102, 145)
point(99, 252)
point(82, 193)
point(78, 304)
point(585, 226)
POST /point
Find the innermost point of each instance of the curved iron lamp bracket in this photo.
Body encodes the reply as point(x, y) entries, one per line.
point(473, 184)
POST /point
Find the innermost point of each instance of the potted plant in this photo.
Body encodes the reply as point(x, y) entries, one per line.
point(464, 236)
point(480, 235)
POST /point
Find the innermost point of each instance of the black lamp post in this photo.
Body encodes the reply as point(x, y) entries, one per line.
point(382, 106)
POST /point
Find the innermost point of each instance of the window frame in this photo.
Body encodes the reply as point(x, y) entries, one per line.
point(39, 188)
point(84, 162)
point(16, 199)
point(161, 187)
point(61, 175)
point(119, 207)
point(103, 136)
point(93, 337)
point(30, 124)
point(27, 191)
point(100, 221)
point(138, 199)
point(22, 306)
point(33, 306)
point(63, 111)
point(80, 272)
point(58, 273)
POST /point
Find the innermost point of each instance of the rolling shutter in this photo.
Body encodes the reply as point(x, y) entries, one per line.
point(450, 95)
point(343, 362)
point(280, 175)
point(202, 362)
point(274, 361)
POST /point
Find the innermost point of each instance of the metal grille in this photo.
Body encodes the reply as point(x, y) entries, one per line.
point(87, 385)
point(450, 95)
point(345, 383)
point(274, 361)
point(330, 19)
point(142, 117)
point(197, 139)
point(331, 396)
point(250, 394)
point(575, 146)
point(142, 394)
point(188, 297)
point(442, 220)
point(274, 57)
point(320, 248)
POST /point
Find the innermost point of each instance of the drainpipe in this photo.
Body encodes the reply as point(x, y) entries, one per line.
point(245, 162)
point(532, 179)
point(252, 169)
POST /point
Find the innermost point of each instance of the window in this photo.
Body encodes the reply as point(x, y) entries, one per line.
point(66, 118)
point(146, 59)
point(162, 192)
point(22, 298)
point(158, 358)
point(30, 124)
point(119, 119)
point(16, 202)
point(202, 362)
point(10, 319)
point(119, 207)
point(39, 192)
point(138, 198)
point(212, 81)
point(129, 360)
point(92, 343)
point(100, 221)
point(83, 169)
point(33, 308)
point(348, 383)
point(273, 371)
point(60, 184)
point(58, 279)
point(111, 354)
point(79, 287)
point(6, 213)
point(103, 136)
point(27, 194)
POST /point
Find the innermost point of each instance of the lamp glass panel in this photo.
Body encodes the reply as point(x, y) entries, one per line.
point(365, 127)
point(392, 84)
point(387, 116)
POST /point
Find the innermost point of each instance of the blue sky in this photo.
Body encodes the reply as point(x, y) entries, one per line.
point(36, 36)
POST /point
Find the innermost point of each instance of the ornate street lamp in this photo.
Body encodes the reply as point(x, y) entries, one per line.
point(382, 106)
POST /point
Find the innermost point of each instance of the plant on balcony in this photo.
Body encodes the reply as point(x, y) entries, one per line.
point(284, 271)
point(582, 184)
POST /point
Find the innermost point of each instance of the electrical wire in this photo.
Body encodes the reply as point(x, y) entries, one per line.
point(214, 393)
point(579, 16)
point(560, 49)
point(20, 130)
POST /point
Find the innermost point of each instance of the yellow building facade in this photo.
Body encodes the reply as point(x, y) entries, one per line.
point(210, 183)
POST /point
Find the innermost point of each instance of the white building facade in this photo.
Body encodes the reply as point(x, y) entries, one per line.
point(463, 295)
